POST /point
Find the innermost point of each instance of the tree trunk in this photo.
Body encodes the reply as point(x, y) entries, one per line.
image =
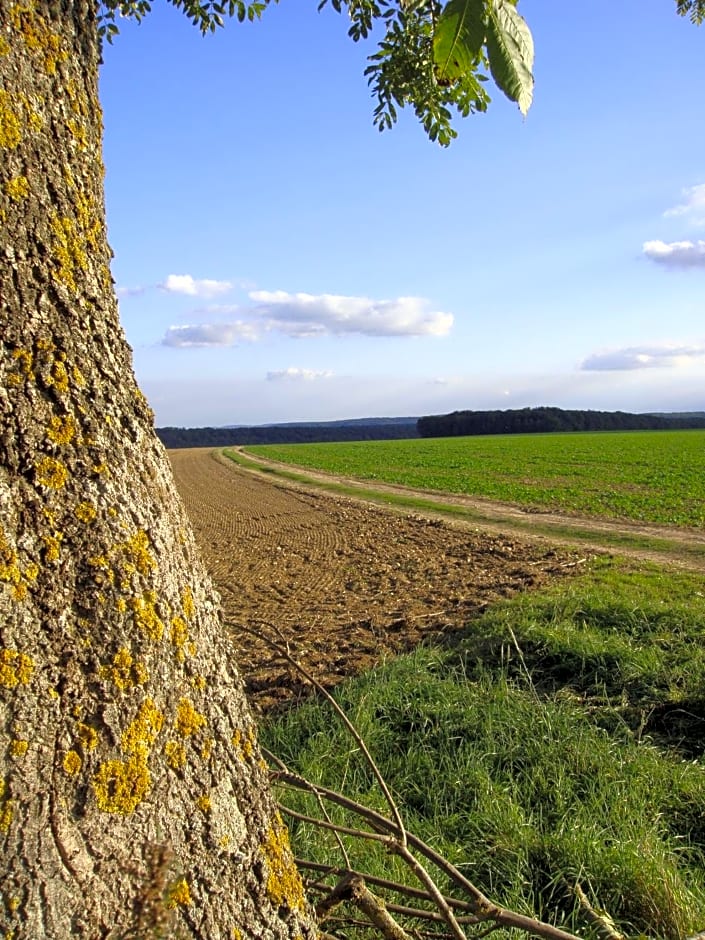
point(133, 800)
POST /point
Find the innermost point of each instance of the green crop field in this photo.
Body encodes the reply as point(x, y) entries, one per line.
point(643, 476)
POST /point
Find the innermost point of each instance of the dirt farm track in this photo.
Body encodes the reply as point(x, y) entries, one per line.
point(346, 583)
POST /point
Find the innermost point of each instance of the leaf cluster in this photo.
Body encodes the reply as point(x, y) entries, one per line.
point(695, 9)
point(435, 57)
point(207, 15)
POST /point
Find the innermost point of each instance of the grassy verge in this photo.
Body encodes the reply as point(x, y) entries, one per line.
point(559, 740)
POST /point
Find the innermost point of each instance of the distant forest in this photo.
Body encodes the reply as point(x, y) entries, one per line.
point(458, 423)
point(545, 420)
point(286, 434)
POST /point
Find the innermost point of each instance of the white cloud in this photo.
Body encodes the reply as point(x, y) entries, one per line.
point(298, 375)
point(209, 334)
point(320, 314)
point(684, 254)
point(130, 291)
point(644, 357)
point(693, 205)
point(192, 287)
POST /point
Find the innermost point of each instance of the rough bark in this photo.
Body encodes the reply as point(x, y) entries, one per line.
point(133, 800)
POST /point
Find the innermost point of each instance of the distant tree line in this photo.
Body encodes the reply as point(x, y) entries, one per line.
point(543, 420)
point(284, 434)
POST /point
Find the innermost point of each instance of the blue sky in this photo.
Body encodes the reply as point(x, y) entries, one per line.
point(278, 259)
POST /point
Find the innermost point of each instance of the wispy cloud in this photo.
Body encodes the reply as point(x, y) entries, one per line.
point(294, 374)
point(130, 291)
point(682, 255)
point(320, 314)
point(310, 315)
point(209, 334)
point(193, 287)
point(693, 205)
point(644, 357)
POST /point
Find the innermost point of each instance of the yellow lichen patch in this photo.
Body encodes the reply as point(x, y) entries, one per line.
point(10, 122)
point(62, 430)
point(18, 747)
point(198, 682)
point(284, 885)
point(4, 46)
point(125, 671)
point(78, 132)
point(175, 754)
point(69, 250)
point(204, 803)
point(140, 734)
point(9, 567)
point(244, 744)
point(78, 377)
point(179, 637)
point(72, 763)
point(52, 544)
point(187, 603)
point(146, 617)
point(188, 720)
point(207, 748)
point(17, 188)
point(85, 512)
point(138, 553)
point(6, 814)
point(179, 894)
point(37, 35)
point(15, 668)
point(88, 736)
point(120, 786)
point(25, 361)
point(51, 473)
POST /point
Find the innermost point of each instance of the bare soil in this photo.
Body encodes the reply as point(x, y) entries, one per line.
point(345, 584)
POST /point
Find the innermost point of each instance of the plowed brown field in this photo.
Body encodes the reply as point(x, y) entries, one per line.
point(344, 583)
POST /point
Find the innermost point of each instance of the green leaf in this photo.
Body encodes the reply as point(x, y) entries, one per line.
point(458, 38)
point(510, 50)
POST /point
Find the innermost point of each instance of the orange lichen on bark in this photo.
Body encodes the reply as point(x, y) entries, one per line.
point(175, 754)
point(10, 122)
point(38, 36)
point(120, 786)
point(125, 671)
point(88, 736)
point(17, 188)
point(16, 668)
point(51, 473)
point(85, 512)
point(284, 884)
point(72, 763)
point(145, 615)
point(188, 720)
point(180, 894)
point(18, 747)
point(142, 732)
point(62, 430)
point(179, 637)
point(52, 546)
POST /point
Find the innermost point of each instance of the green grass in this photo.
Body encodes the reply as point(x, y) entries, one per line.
point(560, 737)
point(644, 476)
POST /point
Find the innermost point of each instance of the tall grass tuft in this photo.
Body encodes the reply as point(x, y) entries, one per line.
point(529, 754)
